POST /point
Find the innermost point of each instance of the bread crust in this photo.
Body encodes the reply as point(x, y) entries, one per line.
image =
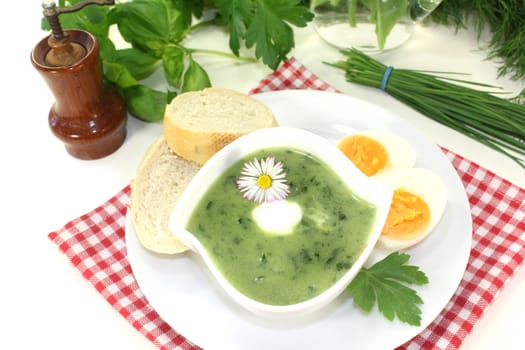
point(196, 146)
point(199, 143)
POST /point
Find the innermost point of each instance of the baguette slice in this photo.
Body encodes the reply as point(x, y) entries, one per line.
point(160, 180)
point(197, 124)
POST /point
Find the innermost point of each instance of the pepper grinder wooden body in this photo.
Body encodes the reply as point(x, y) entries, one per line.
point(87, 116)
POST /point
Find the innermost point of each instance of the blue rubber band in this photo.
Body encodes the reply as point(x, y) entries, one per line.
point(384, 81)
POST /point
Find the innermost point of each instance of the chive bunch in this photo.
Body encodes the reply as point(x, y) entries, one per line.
point(493, 121)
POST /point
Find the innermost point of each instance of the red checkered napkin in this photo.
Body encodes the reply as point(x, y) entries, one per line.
point(95, 245)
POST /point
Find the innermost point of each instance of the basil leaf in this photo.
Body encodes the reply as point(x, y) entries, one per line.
point(195, 77)
point(173, 63)
point(118, 74)
point(140, 64)
point(145, 103)
point(106, 49)
point(150, 24)
point(170, 96)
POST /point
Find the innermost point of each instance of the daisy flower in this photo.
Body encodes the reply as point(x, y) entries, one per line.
point(263, 181)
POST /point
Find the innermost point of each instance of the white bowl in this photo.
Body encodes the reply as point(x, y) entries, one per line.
point(283, 137)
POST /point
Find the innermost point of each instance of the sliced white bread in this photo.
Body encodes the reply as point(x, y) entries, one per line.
point(198, 124)
point(160, 180)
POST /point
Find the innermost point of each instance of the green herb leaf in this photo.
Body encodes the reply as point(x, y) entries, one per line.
point(393, 266)
point(107, 49)
point(190, 8)
point(118, 74)
point(385, 282)
point(145, 103)
point(173, 63)
point(195, 77)
point(150, 24)
point(385, 14)
point(236, 15)
point(290, 11)
point(269, 31)
point(140, 64)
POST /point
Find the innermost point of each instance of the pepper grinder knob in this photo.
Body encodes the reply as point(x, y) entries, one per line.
point(63, 51)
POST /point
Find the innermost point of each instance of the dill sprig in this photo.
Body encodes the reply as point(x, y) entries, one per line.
point(504, 19)
point(493, 121)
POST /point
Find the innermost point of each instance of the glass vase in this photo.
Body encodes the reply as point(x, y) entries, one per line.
point(369, 25)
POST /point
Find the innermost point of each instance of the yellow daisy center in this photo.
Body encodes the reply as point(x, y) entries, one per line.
point(264, 181)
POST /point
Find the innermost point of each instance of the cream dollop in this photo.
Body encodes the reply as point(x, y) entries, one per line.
point(278, 217)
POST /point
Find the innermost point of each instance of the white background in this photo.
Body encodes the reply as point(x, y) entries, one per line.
point(45, 303)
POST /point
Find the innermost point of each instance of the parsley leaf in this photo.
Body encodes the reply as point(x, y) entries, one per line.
point(190, 8)
point(265, 25)
point(269, 29)
point(236, 16)
point(385, 282)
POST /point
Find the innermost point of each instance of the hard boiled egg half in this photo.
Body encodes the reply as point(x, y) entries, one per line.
point(418, 204)
point(420, 195)
point(377, 151)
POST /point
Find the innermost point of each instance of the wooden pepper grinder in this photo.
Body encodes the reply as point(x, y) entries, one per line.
point(87, 116)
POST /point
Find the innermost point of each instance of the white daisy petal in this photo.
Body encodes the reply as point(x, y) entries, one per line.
point(281, 191)
point(280, 186)
point(252, 189)
point(276, 170)
point(264, 167)
point(251, 193)
point(258, 166)
point(250, 169)
point(269, 165)
point(260, 196)
point(272, 195)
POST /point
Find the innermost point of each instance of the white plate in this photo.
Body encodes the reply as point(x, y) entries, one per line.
point(187, 297)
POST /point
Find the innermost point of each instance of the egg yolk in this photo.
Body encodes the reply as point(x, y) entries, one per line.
point(366, 153)
point(409, 215)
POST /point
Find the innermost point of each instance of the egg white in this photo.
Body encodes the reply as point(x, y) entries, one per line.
point(401, 155)
point(427, 185)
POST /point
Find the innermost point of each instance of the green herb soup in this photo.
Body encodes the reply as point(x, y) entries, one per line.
point(283, 269)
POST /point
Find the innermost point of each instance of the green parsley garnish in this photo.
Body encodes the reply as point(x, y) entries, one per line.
point(265, 25)
point(386, 282)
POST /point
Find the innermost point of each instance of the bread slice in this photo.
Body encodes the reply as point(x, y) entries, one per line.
point(197, 124)
point(160, 180)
